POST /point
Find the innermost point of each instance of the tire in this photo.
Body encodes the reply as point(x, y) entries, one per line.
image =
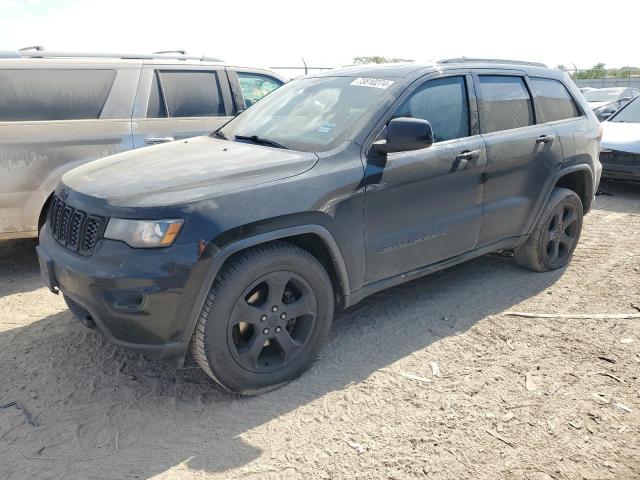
point(556, 234)
point(250, 338)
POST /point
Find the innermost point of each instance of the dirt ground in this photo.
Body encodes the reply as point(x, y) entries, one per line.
point(514, 397)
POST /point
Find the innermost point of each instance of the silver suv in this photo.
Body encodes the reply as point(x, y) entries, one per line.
point(60, 110)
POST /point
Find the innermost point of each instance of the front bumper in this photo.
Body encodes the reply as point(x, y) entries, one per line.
point(618, 165)
point(136, 297)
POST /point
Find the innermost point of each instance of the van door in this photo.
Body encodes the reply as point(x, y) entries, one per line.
point(54, 116)
point(522, 156)
point(176, 102)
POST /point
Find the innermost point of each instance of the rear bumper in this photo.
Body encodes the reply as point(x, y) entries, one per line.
point(627, 173)
point(133, 295)
point(617, 165)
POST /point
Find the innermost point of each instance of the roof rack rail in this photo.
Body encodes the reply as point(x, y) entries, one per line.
point(491, 60)
point(38, 48)
point(164, 52)
point(124, 56)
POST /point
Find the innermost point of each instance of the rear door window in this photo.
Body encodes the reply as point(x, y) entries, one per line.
point(48, 94)
point(553, 100)
point(187, 93)
point(504, 103)
point(254, 86)
point(443, 102)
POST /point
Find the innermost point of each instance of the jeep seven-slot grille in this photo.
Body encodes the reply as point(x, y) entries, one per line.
point(75, 229)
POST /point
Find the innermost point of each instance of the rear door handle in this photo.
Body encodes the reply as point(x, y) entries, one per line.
point(156, 140)
point(545, 138)
point(468, 155)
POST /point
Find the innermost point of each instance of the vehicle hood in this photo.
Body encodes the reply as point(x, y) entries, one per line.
point(594, 105)
point(624, 137)
point(184, 171)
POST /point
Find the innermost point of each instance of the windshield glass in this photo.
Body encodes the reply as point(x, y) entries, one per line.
point(312, 114)
point(630, 113)
point(602, 95)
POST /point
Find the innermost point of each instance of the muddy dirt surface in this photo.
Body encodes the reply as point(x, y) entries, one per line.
point(430, 379)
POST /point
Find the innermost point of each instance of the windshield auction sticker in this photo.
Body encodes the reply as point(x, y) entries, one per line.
point(372, 82)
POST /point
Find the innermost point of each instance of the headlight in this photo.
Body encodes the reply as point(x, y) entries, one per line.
point(144, 233)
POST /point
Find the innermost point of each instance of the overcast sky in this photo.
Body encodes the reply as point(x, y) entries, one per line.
point(330, 32)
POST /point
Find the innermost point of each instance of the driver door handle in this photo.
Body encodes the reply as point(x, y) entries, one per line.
point(545, 138)
point(463, 158)
point(156, 140)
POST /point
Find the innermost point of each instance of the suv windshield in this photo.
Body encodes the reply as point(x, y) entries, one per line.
point(629, 114)
point(603, 95)
point(311, 114)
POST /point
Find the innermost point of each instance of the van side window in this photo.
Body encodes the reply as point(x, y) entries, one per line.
point(255, 86)
point(504, 103)
point(47, 94)
point(553, 100)
point(191, 93)
point(443, 102)
point(156, 108)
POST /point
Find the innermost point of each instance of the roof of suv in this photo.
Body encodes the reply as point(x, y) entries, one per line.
point(42, 58)
point(404, 70)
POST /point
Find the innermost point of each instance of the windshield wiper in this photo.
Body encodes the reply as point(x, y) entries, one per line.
point(260, 141)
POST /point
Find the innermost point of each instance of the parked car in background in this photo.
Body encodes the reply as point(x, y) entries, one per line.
point(620, 148)
point(60, 110)
point(238, 245)
point(586, 89)
point(606, 101)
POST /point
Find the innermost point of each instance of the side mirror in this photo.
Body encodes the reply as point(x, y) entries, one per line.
point(605, 115)
point(405, 134)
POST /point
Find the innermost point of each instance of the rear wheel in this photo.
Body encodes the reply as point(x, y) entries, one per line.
point(265, 319)
point(555, 237)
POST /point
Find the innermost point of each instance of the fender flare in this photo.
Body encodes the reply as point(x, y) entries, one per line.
point(554, 180)
point(223, 254)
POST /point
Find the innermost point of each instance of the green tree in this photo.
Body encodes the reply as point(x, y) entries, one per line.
point(597, 71)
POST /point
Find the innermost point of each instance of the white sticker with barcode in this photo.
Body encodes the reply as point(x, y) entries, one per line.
point(372, 82)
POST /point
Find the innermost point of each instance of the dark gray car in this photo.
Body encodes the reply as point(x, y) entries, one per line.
point(242, 243)
point(60, 110)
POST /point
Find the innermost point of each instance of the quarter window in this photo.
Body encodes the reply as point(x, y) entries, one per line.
point(505, 103)
point(553, 100)
point(187, 94)
point(47, 94)
point(444, 103)
point(255, 86)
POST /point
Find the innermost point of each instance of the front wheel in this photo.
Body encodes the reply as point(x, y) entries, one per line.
point(555, 237)
point(265, 319)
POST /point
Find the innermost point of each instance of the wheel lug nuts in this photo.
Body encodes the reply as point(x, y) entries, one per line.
point(263, 318)
point(274, 308)
point(278, 329)
point(265, 331)
point(283, 315)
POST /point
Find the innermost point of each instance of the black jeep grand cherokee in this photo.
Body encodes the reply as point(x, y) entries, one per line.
point(240, 245)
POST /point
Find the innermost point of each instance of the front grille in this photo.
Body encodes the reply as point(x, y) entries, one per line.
point(77, 230)
point(616, 157)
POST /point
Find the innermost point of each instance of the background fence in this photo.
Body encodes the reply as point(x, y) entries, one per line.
point(599, 76)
